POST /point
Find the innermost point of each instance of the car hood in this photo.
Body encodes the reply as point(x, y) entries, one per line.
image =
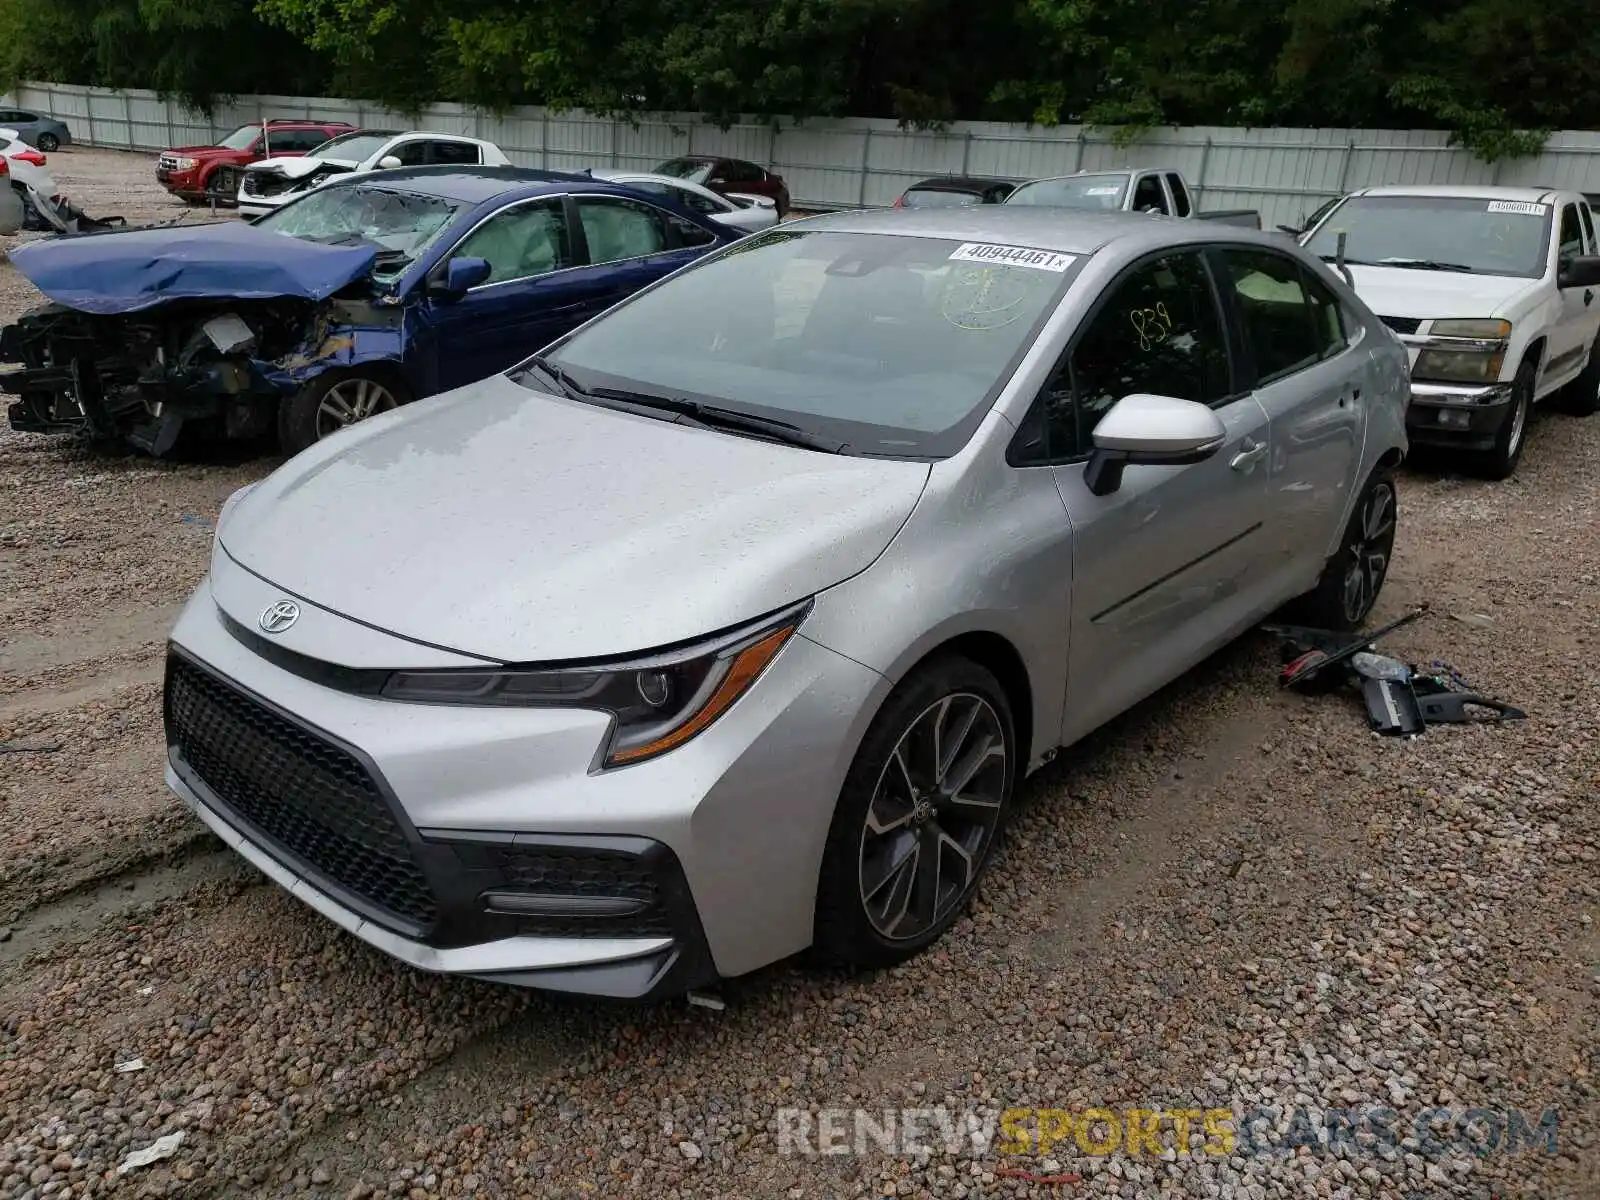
point(1430, 295)
point(128, 270)
point(203, 152)
point(515, 526)
point(299, 168)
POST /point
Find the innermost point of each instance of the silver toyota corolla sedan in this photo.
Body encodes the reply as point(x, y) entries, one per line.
point(728, 625)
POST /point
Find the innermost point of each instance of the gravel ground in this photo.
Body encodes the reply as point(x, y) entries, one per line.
point(1232, 897)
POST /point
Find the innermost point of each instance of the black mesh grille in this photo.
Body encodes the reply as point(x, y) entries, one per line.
point(1402, 324)
point(310, 797)
point(558, 871)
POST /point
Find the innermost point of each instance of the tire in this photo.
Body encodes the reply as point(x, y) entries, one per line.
point(48, 143)
point(1500, 461)
point(1581, 397)
point(1353, 578)
point(217, 186)
point(883, 895)
point(314, 412)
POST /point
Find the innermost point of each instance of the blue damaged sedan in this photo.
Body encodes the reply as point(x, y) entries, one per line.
point(357, 298)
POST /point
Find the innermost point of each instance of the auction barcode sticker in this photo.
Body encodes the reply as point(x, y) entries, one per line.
point(1013, 256)
point(1526, 208)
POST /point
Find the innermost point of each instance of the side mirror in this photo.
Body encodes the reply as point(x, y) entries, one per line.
point(389, 162)
point(1582, 271)
point(460, 276)
point(1144, 430)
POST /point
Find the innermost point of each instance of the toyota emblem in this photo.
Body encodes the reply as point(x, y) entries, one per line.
point(275, 618)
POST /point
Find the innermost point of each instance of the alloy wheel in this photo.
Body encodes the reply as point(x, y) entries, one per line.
point(349, 401)
point(1368, 563)
point(48, 143)
point(1519, 423)
point(933, 816)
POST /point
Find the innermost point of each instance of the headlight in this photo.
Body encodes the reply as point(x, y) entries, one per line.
point(658, 703)
point(1477, 358)
point(1472, 329)
point(184, 164)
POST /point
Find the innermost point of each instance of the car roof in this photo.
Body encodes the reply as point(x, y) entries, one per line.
point(958, 183)
point(1068, 230)
point(1467, 191)
point(471, 184)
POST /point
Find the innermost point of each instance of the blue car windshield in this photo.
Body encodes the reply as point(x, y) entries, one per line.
point(401, 224)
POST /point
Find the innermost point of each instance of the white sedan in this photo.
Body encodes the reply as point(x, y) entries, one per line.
point(271, 182)
point(24, 167)
point(747, 213)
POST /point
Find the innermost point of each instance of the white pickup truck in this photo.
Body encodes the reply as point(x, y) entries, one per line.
point(1495, 292)
point(1161, 191)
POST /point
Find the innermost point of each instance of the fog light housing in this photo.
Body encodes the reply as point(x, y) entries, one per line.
point(1455, 418)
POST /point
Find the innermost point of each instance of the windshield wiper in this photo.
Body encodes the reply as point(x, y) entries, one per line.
point(1425, 264)
point(715, 417)
point(564, 383)
point(709, 416)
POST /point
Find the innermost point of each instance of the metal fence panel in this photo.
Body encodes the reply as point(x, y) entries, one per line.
point(1285, 173)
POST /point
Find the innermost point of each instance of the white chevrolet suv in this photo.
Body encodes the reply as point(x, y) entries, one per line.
point(1496, 293)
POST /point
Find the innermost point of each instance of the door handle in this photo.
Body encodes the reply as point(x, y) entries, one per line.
point(1247, 458)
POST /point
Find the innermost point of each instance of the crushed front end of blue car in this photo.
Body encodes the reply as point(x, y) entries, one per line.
point(149, 331)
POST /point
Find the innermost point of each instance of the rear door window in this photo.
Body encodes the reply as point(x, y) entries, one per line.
point(1180, 195)
point(1148, 195)
point(1571, 233)
point(453, 152)
point(617, 229)
point(1289, 320)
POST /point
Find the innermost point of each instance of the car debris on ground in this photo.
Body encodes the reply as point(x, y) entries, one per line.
point(1402, 699)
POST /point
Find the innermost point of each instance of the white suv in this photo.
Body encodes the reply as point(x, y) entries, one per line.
point(265, 185)
point(1496, 294)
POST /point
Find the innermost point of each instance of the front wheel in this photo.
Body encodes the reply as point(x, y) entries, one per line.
point(919, 818)
point(1352, 579)
point(333, 402)
point(1500, 460)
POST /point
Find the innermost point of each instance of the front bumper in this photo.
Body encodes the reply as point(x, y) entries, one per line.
point(481, 842)
point(1460, 416)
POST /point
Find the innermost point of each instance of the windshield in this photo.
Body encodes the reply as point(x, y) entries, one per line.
point(241, 138)
point(893, 345)
point(696, 170)
point(938, 198)
point(1459, 233)
point(400, 224)
point(1076, 191)
point(352, 147)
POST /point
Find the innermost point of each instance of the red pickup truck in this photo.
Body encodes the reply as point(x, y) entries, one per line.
point(198, 173)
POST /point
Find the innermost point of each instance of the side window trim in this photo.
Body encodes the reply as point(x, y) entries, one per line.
point(1063, 360)
point(573, 235)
